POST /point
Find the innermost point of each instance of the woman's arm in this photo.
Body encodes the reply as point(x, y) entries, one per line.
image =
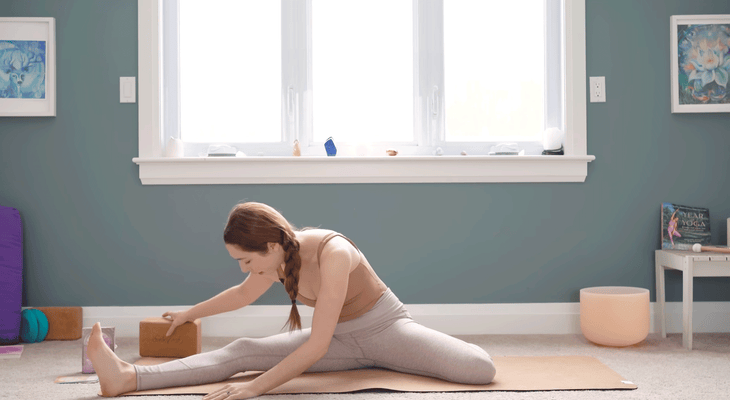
point(233, 298)
point(336, 262)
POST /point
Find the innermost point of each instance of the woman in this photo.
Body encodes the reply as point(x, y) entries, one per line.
point(672, 229)
point(322, 269)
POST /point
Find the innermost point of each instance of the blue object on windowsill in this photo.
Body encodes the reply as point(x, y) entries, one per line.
point(329, 146)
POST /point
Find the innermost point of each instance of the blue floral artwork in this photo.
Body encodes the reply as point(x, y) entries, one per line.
point(704, 63)
point(22, 69)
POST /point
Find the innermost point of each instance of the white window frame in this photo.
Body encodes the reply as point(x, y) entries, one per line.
point(156, 169)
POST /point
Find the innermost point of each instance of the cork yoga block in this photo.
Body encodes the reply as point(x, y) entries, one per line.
point(185, 341)
point(64, 323)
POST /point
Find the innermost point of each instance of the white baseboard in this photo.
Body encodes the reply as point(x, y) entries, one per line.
point(452, 319)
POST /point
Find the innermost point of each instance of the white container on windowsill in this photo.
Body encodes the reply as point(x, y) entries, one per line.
point(174, 148)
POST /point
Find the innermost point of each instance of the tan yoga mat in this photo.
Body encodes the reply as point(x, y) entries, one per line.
point(513, 374)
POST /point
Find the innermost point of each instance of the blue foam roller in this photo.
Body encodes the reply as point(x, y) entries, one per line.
point(28, 326)
point(33, 326)
point(42, 325)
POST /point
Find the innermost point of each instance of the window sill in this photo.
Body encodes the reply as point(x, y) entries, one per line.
point(399, 169)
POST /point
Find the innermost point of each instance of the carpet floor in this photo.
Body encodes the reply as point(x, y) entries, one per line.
point(661, 368)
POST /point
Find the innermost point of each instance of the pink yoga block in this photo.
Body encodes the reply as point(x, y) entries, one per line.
point(614, 315)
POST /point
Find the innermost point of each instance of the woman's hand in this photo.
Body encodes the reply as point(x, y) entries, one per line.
point(233, 391)
point(178, 318)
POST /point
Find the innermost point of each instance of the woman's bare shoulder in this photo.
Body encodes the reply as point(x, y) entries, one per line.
point(311, 239)
point(310, 235)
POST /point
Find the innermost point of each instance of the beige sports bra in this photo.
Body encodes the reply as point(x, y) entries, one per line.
point(363, 289)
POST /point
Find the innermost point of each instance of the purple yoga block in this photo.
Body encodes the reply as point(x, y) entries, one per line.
point(11, 275)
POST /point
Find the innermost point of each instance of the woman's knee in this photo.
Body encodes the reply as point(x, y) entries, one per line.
point(239, 345)
point(284, 343)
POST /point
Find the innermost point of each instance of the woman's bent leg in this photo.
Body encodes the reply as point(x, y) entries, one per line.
point(406, 346)
point(245, 354)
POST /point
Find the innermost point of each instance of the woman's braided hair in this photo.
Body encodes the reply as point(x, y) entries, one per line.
point(251, 226)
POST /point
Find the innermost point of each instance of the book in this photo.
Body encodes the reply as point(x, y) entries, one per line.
point(683, 226)
point(11, 351)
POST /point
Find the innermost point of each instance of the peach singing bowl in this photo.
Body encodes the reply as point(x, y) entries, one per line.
point(614, 315)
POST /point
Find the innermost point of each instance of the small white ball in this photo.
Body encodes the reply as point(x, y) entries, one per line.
point(697, 248)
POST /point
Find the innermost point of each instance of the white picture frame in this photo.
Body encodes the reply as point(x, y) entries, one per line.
point(700, 63)
point(27, 67)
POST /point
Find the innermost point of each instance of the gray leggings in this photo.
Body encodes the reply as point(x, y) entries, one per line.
point(385, 337)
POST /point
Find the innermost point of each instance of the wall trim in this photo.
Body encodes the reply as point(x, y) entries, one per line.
point(452, 319)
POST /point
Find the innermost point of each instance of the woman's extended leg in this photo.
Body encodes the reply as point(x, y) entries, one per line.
point(406, 346)
point(115, 375)
point(245, 354)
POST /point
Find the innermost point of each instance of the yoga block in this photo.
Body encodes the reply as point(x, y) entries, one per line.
point(64, 323)
point(185, 341)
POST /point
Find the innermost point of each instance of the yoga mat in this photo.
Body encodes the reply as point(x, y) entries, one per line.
point(513, 374)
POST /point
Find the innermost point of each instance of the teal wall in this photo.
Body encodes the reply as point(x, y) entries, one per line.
point(94, 236)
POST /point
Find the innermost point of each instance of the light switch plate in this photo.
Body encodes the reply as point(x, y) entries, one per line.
point(127, 89)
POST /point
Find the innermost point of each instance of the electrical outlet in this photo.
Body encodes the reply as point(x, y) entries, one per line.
point(598, 89)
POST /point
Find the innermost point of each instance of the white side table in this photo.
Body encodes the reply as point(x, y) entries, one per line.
point(692, 265)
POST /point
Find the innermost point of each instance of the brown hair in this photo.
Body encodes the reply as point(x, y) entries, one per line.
point(251, 226)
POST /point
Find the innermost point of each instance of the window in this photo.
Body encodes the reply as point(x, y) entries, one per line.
point(362, 75)
point(230, 76)
point(495, 85)
point(408, 85)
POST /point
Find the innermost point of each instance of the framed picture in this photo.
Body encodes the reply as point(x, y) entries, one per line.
point(700, 60)
point(27, 67)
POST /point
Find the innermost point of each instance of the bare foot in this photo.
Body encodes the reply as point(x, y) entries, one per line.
point(115, 376)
